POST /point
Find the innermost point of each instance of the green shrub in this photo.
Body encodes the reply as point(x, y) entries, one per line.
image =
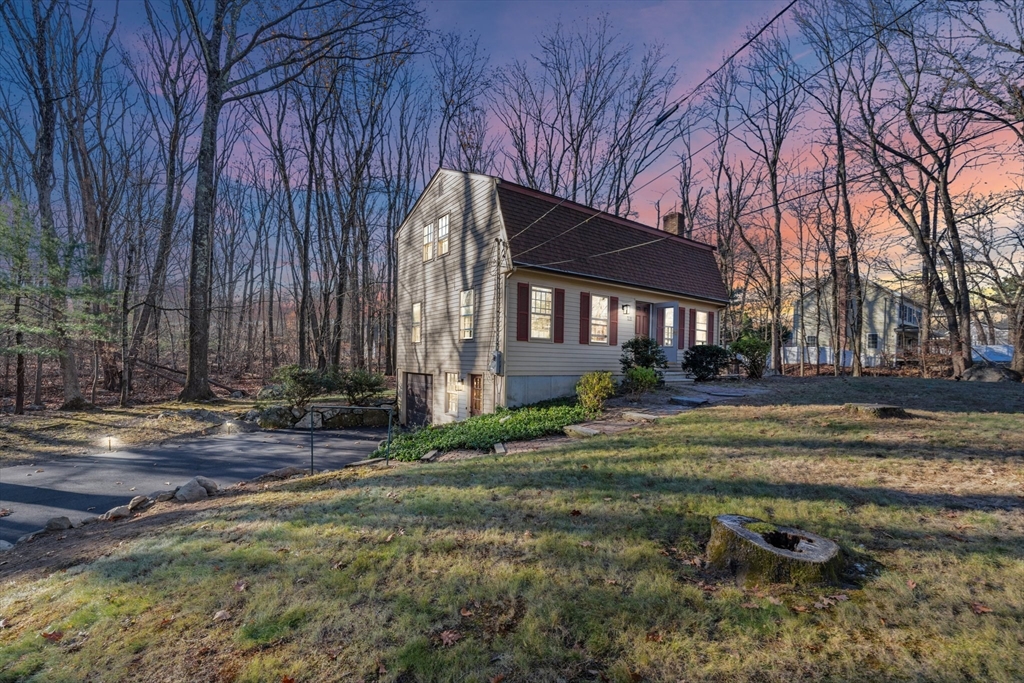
point(705, 361)
point(298, 385)
point(484, 431)
point(593, 389)
point(752, 351)
point(359, 387)
point(642, 352)
point(639, 381)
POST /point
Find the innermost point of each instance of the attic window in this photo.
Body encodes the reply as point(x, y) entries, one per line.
point(428, 241)
point(442, 235)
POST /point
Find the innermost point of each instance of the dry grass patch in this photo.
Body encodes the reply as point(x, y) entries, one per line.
point(574, 564)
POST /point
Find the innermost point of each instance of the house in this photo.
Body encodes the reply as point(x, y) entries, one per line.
point(507, 295)
point(891, 323)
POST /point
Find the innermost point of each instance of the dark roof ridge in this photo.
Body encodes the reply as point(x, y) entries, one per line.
point(555, 199)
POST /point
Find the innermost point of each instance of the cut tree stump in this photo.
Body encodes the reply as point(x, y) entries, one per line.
point(876, 410)
point(760, 553)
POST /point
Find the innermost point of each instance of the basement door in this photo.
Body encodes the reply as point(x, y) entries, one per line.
point(418, 398)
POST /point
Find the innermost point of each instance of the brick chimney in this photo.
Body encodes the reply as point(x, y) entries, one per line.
point(672, 222)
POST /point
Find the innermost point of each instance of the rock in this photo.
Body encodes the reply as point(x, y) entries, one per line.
point(209, 484)
point(161, 496)
point(238, 394)
point(304, 421)
point(639, 417)
point(759, 553)
point(58, 524)
point(114, 514)
point(990, 373)
point(139, 503)
point(28, 538)
point(283, 473)
point(251, 416)
point(429, 457)
point(688, 400)
point(270, 391)
point(297, 412)
point(276, 417)
point(499, 448)
point(579, 431)
point(5, 545)
point(35, 406)
point(360, 463)
point(222, 615)
point(90, 520)
point(190, 492)
point(879, 410)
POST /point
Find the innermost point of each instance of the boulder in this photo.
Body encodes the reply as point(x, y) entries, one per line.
point(283, 473)
point(5, 545)
point(114, 514)
point(304, 421)
point(276, 417)
point(89, 520)
point(238, 394)
point(759, 553)
point(579, 431)
point(251, 416)
point(162, 496)
point(58, 524)
point(139, 503)
point(209, 484)
point(990, 373)
point(190, 492)
point(880, 410)
point(270, 391)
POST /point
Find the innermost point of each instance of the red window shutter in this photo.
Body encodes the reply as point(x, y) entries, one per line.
point(680, 339)
point(711, 328)
point(613, 321)
point(559, 316)
point(693, 327)
point(659, 335)
point(584, 317)
point(523, 312)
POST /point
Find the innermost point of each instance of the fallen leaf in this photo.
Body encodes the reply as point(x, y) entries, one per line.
point(4, 512)
point(287, 679)
point(466, 612)
point(166, 621)
point(498, 679)
point(240, 586)
point(132, 488)
point(575, 513)
point(911, 584)
point(38, 471)
point(586, 544)
point(635, 496)
point(584, 467)
point(958, 537)
point(222, 615)
point(654, 637)
point(979, 608)
point(449, 638)
point(611, 582)
point(389, 538)
point(606, 499)
point(841, 597)
point(53, 636)
point(774, 600)
point(800, 608)
point(750, 605)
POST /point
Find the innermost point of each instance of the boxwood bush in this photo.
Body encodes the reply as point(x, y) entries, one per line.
point(483, 431)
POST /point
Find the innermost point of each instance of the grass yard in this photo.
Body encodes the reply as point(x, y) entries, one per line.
point(575, 564)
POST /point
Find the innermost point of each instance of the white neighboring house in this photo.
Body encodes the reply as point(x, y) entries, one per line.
point(507, 295)
point(891, 324)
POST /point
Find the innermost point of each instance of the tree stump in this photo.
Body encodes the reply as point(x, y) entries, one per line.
point(758, 553)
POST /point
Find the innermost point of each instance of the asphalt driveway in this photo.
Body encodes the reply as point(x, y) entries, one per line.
point(78, 487)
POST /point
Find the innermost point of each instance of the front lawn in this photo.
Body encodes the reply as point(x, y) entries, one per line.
point(575, 564)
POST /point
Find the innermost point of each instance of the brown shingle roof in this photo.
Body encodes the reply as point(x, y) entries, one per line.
point(558, 235)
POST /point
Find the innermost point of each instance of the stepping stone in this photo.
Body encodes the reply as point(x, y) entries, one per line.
point(579, 431)
point(688, 400)
point(360, 463)
point(429, 457)
point(499, 448)
point(640, 417)
point(876, 409)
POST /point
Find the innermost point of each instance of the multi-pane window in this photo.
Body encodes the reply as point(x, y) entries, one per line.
point(598, 320)
point(466, 314)
point(442, 235)
point(701, 329)
point(669, 335)
point(451, 393)
point(540, 312)
point(872, 341)
point(428, 241)
point(417, 323)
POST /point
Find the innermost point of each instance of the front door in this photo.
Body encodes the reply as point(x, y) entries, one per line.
point(667, 330)
point(418, 398)
point(476, 395)
point(643, 319)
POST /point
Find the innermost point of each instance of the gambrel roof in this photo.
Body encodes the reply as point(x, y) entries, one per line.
point(558, 235)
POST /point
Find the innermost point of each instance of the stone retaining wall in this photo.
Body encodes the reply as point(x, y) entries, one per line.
point(328, 417)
